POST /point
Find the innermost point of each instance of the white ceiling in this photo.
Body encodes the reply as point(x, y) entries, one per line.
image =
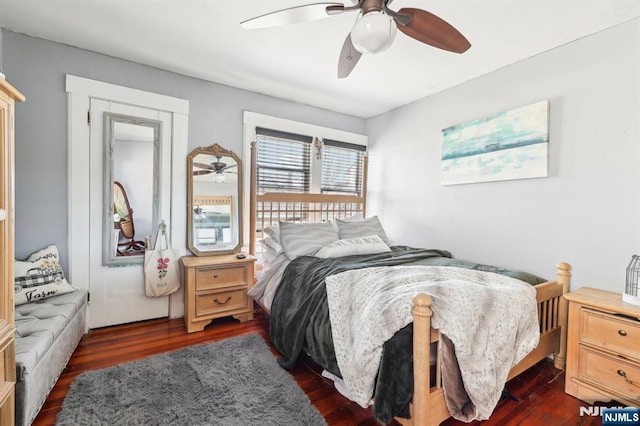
point(203, 39)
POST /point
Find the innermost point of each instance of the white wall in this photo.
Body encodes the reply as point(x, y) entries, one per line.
point(587, 212)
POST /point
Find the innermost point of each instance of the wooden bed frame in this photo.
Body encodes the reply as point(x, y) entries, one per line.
point(428, 406)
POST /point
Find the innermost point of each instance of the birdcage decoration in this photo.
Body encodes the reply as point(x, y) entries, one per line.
point(632, 291)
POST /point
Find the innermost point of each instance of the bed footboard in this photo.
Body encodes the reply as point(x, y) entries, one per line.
point(428, 406)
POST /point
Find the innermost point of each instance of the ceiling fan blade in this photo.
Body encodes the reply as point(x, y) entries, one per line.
point(201, 172)
point(292, 15)
point(202, 166)
point(349, 57)
point(230, 167)
point(432, 30)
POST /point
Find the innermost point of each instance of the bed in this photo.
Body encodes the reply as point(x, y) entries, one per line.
point(427, 398)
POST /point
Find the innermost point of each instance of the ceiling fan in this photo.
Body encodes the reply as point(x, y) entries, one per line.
point(217, 167)
point(374, 30)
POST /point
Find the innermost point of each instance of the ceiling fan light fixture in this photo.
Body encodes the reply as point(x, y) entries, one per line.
point(219, 178)
point(373, 32)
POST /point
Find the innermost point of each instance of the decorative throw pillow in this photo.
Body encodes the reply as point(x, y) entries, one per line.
point(39, 277)
point(362, 245)
point(361, 228)
point(305, 239)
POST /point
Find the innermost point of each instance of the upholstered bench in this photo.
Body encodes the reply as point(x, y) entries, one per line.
point(47, 333)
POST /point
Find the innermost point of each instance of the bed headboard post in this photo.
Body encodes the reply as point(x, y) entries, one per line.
point(563, 277)
point(253, 181)
point(421, 369)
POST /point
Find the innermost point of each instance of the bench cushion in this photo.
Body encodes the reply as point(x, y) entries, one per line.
point(39, 324)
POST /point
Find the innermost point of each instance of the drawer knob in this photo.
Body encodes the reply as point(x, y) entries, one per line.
point(215, 300)
point(622, 332)
point(215, 275)
point(622, 374)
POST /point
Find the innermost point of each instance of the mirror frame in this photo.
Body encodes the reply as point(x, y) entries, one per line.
point(217, 151)
point(108, 244)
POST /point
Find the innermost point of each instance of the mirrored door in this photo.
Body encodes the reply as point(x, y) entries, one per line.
point(131, 186)
point(117, 286)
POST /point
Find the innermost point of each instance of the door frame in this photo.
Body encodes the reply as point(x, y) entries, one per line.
point(80, 91)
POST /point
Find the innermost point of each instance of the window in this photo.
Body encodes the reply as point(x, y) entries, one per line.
point(342, 167)
point(288, 160)
point(285, 161)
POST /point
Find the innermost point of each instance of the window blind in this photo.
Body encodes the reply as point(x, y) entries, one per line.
point(283, 163)
point(342, 165)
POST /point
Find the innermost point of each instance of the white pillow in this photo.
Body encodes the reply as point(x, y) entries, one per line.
point(269, 242)
point(362, 228)
point(269, 255)
point(272, 231)
point(305, 239)
point(39, 277)
point(362, 245)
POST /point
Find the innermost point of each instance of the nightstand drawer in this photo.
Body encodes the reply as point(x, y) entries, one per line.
point(611, 372)
point(610, 332)
point(220, 277)
point(223, 301)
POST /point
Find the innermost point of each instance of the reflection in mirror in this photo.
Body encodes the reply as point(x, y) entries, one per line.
point(214, 201)
point(131, 186)
point(212, 222)
point(123, 221)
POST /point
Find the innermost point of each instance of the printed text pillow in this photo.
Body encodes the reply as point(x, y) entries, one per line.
point(39, 277)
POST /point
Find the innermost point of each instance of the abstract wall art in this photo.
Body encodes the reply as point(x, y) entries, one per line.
point(509, 145)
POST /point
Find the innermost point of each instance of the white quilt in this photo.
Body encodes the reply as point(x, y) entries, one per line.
point(491, 320)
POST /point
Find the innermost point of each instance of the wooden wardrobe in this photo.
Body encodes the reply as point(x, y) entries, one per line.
point(8, 96)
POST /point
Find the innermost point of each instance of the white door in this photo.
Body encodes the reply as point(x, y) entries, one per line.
point(117, 292)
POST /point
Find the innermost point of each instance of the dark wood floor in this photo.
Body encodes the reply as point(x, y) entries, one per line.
point(542, 400)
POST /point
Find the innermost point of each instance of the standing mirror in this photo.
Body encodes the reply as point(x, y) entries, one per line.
point(131, 182)
point(214, 201)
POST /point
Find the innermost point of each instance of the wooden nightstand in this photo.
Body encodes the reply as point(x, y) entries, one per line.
point(216, 286)
point(603, 347)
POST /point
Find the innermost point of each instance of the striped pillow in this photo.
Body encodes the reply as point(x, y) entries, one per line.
point(362, 228)
point(363, 245)
point(305, 239)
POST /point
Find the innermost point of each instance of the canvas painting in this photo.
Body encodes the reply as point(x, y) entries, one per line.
point(509, 145)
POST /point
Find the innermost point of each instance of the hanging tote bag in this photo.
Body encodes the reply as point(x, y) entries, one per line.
point(161, 269)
